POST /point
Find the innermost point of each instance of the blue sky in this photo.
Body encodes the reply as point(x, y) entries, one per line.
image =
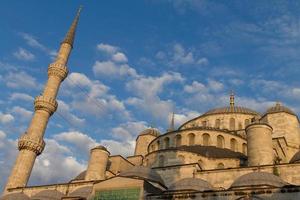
point(134, 63)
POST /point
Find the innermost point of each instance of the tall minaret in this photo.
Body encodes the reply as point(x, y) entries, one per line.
point(31, 143)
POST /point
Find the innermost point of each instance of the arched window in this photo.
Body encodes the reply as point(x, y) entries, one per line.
point(217, 123)
point(247, 122)
point(240, 126)
point(233, 144)
point(245, 148)
point(167, 143)
point(161, 161)
point(178, 140)
point(206, 139)
point(220, 166)
point(191, 138)
point(158, 145)
point(232, 124)
point(204, 123)
point(220, 141)
point(152, 147)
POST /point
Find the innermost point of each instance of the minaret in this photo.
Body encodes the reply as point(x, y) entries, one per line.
point(31, 143)
point(231, 100)
point(172, 123)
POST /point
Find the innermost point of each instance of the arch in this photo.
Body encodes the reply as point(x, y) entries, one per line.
point(191, 139)
point(206, 139)
point(233, 144)
point(178, 140)
point(204, 123)
point(240, 126)
point(152, 147)
point(247, 122)
point(244, 148)
point(220, 166)
point(167, 142)
point(220, 141)
point(157, 145)
point(231, 124)
point(161, 161)
point(217, 123)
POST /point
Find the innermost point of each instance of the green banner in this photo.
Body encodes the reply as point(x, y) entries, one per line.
point(119, 194)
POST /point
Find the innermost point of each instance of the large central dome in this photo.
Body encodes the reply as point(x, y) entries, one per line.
point(231, 109)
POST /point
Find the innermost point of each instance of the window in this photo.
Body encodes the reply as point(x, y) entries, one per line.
point(167, 143)
point(204, 123)
point(178, 140)
point(220, 166)
point(157, 145)
point(191, 138)
point(245, 148)
point(232, 124)
point(206, 139)
point(247, 122)
point(220, 141)
point(240, 126)
point(161, 161)
point(217, 123)
point(233, 144)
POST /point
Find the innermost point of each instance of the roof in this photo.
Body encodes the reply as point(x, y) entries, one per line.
point(231, 109)
point(196, 184)
point(258, 179)
point(100, 147)
point(279, 108)
point(15, 196)
point(295, 158)
point(143, 173)
point(150, 131)
point(83, 192)
point(80, 176)
point(211, 151)
point(48, 195)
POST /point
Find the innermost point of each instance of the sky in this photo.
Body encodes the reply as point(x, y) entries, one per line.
point(133, 64)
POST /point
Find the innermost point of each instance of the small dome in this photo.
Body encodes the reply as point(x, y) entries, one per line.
point(196, 184)
point(231, 109)
point(258, 179)
point(143, 173)
point(15, 196)
point(48, 195)
point(279, 108)
point(150, 131)
point(295, 158)
point(83, 192)
point(100, 147)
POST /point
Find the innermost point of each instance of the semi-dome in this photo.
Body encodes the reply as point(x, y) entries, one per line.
point(150, 131)
point(83, 192)
point(143, 173)
point(231, 109)
point(258, 179)
point(279, 108)
point(196, 184)
point(15, 196)
point(48, 195)
point(295, 158)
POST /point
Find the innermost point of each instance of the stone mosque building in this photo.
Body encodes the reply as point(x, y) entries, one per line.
point(229, 153)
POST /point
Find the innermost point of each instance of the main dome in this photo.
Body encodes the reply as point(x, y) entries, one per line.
point(231, 109)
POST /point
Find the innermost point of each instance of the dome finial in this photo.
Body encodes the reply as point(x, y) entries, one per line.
point(231, 99)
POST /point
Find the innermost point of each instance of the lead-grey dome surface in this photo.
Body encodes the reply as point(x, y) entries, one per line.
point(279, 108)
point(143, 173)
point(258, 179)
point(15, 196)
point(150, 131)
point(295, 158)
point(196, 184)
point(48, 195)
point(231, 109)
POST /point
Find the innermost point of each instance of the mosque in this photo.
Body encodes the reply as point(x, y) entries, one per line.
point(228, 153)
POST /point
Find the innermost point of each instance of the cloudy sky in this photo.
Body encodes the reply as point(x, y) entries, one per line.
point(135, 63)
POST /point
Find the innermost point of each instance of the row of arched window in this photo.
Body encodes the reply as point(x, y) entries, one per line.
point(206, 141)
point(232, 124)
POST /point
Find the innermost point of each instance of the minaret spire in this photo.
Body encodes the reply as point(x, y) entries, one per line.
point(31, 143)
point(231, 100)
point(172, 123)
point(69, 38)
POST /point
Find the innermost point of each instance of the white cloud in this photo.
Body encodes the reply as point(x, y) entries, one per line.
point(19, 80)
point(77, 139)
point(215, 85)
point(111, 69)
point(6, 118)
point(119, 57)
point(107, 48)
point(119, 148)
point(21, 96)
point(195, 87)
point(33, 42)
point(21, 113)
point(65, 111)
point(129, 130)
point(179, 119)
point(23, 54)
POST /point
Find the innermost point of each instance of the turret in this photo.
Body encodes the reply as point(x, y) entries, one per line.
point(259, 144)
point(31, 143)
point(143, 140)
point(97, 163)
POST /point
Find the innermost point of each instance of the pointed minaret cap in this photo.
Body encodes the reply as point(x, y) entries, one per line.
point(172, 123)
point(231, 99)
point(71, 33)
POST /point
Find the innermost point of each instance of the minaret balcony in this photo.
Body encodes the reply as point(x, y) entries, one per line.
point(45, 103)
point(31, 144)
point(59, 70)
